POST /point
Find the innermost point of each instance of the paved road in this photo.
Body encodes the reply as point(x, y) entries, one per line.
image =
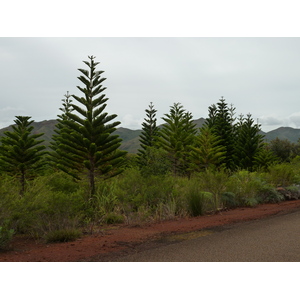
point(273, 239)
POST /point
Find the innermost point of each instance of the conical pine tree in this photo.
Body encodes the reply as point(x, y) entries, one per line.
point(176, 137)
point(91, 141)
point(248, 144)
point(61, 158)
point(220, 121)
point(207, 151)
point(149, 134)
point(20, 152)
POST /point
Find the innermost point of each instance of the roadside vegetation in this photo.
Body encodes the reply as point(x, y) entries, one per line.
point(85, 181)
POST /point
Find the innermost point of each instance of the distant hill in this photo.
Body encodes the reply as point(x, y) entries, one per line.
point(130, 137)
point(283, 133)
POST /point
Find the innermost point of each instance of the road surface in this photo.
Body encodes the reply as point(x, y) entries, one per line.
point(274, 239)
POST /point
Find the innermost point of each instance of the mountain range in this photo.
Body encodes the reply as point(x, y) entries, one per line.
point(130, 137)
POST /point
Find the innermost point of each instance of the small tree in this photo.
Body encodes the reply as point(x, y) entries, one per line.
point(90, 141)
point(284, 149)
point(61, 156)
point(207, 151)
point(221, 122)
point(148, 136)
point(176, 137)
point(20, 152)
point(265, 158)
point(248, 142)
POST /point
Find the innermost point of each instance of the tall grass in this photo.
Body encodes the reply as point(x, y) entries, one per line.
point(55, 205)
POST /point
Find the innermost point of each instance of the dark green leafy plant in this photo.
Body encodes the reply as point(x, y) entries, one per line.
point(197, 201)
point(229, 200)
point(63, 235)
point(113, 218)
point(20, 152)
point(6, 235)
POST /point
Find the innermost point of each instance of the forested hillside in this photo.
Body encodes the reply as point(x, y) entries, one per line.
point(130, 137)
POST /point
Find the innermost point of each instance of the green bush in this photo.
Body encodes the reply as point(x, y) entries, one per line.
point(282, 175)
point(251, 202)
point(294, 192)
point(214, 182)
point(113, 218)
point(198, 201)
point(106, 198)
point(62, 235)
point(130, 186)
point(268, 194)
point(6, 235)
point(154, 162)
point(245, 185)
point(43, 209)
point(167, 210)
point(61, 182)
point(229, 200)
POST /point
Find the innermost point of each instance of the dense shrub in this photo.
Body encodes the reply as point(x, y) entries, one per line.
point(62, 235)
point(113, 218)
point(214, 182)
point(245, 185)
point(282, 175)
point(229, 200)
point(55, 205)
point(199, 202)
point(269, 194)
point(43, 209)
point(6, 235)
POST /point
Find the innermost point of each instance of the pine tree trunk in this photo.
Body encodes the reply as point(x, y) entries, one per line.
point(92, 179)
point(22, 181)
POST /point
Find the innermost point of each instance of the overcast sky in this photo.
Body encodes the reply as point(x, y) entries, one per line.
point(257, 75)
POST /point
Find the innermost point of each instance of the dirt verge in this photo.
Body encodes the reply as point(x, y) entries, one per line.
point(112, 241)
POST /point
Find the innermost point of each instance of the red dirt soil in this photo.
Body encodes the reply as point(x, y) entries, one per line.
point(111, 240)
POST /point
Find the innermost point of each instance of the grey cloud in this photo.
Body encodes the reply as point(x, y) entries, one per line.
point(257, 75)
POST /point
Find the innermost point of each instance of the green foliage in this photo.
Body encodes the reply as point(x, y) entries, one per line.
point(63, 235)
point(43, 208)
point(6, 235)
point(248, 143)
point(105, 200)
point(198, 200)
point(245, 185)
point(264, 159)
point(88, 135)
point(251, 202)
point(207, 151)
point(134, 190)
point(176, 137)
point(229, 200)
point(284, 149)
point(214, 182)
point(113, 218)
point(269, 194)
point(294, 191)
point(220, 121)
point(20, 152)
point(282, 175)
point(155, 162)
point(61, 158)
point(148, 135)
